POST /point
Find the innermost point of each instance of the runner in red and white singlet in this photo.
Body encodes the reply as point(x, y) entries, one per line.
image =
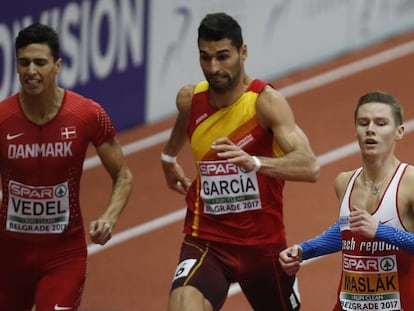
point(375, 230)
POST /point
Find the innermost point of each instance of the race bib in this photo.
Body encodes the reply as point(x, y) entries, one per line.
point(41, 210)
point(225, 188)
point(370, 283)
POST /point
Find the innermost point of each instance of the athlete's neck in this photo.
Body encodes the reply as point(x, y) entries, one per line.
point(374, 172)
point(229, 97)
point(41, 108)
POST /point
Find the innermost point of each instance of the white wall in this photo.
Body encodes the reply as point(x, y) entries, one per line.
point(282, 36)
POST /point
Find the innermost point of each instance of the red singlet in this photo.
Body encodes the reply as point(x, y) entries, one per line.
point(41, 228)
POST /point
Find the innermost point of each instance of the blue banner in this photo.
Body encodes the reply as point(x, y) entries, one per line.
point(103, 47)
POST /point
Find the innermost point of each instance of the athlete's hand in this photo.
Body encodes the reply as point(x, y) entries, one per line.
point(229, 151)
point(175, 177)
point(100, 231)
point(362, 222)
point(290, 259)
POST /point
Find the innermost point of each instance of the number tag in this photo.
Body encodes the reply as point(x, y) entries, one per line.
point(184, 268)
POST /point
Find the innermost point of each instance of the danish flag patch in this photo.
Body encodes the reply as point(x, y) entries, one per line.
point(68, 132)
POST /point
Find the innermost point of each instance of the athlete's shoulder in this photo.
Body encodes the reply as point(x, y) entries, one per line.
point(77, 99)
point(85, 112)
point(11, 99)
point(90, 114)
point(184, 97)
point(9, 106)
point(341, 182)
point(345, 176)
point(78, 104)
point(410, 168)
point(198, 88)
point(258, 85)
point(409, 175)
point(187, 90)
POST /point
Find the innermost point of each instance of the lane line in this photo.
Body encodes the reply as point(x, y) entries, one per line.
point(133, 147)
point(288, 91)
point(350, 69)
point(144, 228)
point(325, 159)
point(168, 219)
point(294, 89)
point(178, 215)
point(291, 90)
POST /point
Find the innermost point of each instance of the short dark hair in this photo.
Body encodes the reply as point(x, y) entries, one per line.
point(39, 33)
point(385, 98)
point(218, 26)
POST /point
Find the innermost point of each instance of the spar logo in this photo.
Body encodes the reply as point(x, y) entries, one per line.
point(369, 264)
point(218, 168)
point(26, 192)
point(38, 193)
point(387, 264)
point(360, 264)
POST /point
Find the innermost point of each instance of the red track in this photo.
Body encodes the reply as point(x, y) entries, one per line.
point(135, 275)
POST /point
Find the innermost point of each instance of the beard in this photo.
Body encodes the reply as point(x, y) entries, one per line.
point(222, 81)
point(221, 87)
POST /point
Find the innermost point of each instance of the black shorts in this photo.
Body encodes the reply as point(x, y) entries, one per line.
point(212, 267)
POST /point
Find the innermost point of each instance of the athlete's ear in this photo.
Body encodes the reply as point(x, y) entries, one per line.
point(243, 52)
point(400, 132)
point(58, 65)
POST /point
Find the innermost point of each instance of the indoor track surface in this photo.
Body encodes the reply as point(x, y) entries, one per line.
point(134, 271)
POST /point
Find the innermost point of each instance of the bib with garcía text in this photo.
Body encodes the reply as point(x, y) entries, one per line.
point(40, 209)
point(225, 188)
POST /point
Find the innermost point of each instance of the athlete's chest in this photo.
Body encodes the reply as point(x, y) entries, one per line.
point(27, 147)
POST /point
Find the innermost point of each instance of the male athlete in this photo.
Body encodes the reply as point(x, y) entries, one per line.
point(246, 143)
point(44, 135)
point(375, 229)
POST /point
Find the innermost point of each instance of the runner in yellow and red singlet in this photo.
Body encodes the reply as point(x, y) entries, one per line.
point(246, 144)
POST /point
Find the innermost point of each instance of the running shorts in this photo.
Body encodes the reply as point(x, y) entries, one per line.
point(48, 273)
point(212, 267)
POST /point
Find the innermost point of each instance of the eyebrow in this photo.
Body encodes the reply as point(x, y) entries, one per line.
point(375, 118)
point(215, 53)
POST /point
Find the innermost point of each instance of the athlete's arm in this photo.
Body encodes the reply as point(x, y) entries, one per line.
point(274, 114)
point(403, 239)
point(299, 163)
point(114, 162)
point(173, 172)
point(364, 223)
point(326, 243)
point(330, 241)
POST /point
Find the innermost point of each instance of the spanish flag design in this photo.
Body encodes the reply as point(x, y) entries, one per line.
point(224, 203)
